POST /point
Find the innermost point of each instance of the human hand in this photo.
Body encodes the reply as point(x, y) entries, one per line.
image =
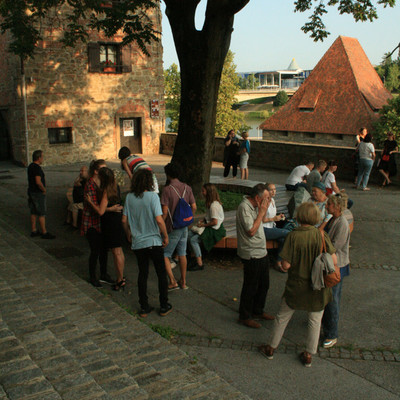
point(165, 242)
point(263, 204)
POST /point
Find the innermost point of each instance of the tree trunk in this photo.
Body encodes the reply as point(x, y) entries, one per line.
point(201, 56)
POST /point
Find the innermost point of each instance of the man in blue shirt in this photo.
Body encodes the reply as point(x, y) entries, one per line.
point(145, 230)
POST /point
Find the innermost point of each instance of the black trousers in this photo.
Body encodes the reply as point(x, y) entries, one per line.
point(156, 254)
point(231, 161)
point(98, 251)
point(255, 287)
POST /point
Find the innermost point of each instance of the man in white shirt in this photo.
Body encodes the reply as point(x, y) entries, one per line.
point(297, 176)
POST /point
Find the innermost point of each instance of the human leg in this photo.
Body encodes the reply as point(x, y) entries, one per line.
point(142, 256)
point(313, 332)
point(33, 223)
point(157, 256)
point(249, 289)
point(172, 281)
point(93, 238)
point(367, 171)
point(173, 237)
point(263, 285)
point(234, 168)
point(281, 320)
point(361, 171)
point(194, 240)
point(182, 237)
point(330, 319)
point(119, 262)
point(227, 167)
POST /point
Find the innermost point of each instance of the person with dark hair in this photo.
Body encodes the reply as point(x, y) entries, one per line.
point(172, 193)
point(252, 249)
point(359, 138)
point(298, 176)
point(366, 151)
point(231, 153)
point(75, 197)
point(316, 174)
point(387, 164)
point(146, 231)
point(37, 196)
point(111, 226)
point(208, 231)
point(329, 180)
point(131, 163)
point(301, 248)
point(91, 226)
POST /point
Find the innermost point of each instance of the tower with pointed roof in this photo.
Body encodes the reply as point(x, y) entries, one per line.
point(342, 94)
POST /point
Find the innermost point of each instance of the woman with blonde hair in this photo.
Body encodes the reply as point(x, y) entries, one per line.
point(208, 231)
point(301, 248)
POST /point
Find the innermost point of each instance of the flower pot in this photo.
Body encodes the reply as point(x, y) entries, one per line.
point(109, 69)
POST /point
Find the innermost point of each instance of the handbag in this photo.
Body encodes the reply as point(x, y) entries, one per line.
point(386, 157)
point(333, 278)
point(198, 230)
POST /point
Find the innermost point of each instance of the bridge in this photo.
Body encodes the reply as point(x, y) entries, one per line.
point(249, 94)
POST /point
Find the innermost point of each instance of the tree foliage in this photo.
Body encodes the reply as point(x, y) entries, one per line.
point(281, 98)
point(227, 118)
point(389, 72)
point(251, 82)
point(389, 121)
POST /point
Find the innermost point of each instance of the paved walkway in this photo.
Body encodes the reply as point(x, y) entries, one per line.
point(365, 363)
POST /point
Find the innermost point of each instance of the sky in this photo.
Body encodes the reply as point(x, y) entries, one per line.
point(267, 35)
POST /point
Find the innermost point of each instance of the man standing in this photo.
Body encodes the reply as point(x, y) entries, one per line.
point(298, 175)
point(252, 249)
point(37, 196)
point(145, 230)
point(177, 237)
point(316, 174)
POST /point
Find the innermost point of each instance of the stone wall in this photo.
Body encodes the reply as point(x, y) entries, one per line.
point(310, 138)
point(61, 92)
point(286, 156)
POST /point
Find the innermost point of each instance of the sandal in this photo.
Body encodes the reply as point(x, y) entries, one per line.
point(171, 288)
point(183, 287)
point(120, 285)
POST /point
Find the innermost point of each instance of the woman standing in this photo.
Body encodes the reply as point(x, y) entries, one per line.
point(211, 228)
point(359, 138)
point(387, 163)
point(339, 232)
point(269, 223)
point(111, 221)
point(301, 248)
point(91, 226)
point(366, 150)
point(231, 151)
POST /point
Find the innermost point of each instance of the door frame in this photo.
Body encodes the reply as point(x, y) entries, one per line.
point(128, 115)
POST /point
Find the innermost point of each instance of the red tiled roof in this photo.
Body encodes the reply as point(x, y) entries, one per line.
point(341, 95)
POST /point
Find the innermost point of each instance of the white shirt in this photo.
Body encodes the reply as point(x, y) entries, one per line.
point(365, 150)
point(297, 175)
point(328, 179)
point(215, 212)
point(271, 213)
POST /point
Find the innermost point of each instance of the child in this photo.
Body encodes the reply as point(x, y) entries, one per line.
point(244, 156)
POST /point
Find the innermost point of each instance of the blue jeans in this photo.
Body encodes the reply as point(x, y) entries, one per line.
point(277, 234)
point(194, 240)
point(330, 320)
point(177, 241)
point(364, 170)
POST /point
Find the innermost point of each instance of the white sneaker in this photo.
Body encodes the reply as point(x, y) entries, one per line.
point(173, 263)
point(329, 343)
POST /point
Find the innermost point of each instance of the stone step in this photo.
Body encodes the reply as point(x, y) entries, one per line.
point(62, 338)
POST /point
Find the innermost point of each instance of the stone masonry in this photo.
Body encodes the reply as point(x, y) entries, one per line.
point(63, 92)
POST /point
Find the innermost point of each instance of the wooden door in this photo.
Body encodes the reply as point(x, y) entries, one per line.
point(130, 134)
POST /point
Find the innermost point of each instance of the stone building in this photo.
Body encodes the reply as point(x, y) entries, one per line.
point(342, 94)
point(83, 102)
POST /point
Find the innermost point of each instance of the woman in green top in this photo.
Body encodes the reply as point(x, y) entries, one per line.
point(301, 248)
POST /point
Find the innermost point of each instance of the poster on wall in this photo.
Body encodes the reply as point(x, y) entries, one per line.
point(155, 109)
point(128, 127)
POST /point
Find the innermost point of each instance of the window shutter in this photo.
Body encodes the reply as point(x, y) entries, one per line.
point(126, 59)
point(94, 57)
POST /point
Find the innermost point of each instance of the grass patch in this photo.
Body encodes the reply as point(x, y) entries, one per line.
point(230, 201)
point(258, 114)
point(260, 100)
point(167, 332)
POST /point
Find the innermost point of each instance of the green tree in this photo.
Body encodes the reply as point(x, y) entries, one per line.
point(281, 98)
point(251, 82)
point(172, 90)
point(201, 53)
point(227, 118)
point(389, 72)
point(389, 121)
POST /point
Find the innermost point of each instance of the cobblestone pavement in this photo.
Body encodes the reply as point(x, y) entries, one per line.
point(365, 364)
point(62, 339)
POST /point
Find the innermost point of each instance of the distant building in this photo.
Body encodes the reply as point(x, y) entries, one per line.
point(82, 102)
point(342, 94)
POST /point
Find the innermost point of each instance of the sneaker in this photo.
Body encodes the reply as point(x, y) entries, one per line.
point(306, 359)
point(35, 234)
point(195, 267)
point(107, 279)
point(329, 343)
point(145, 311)
point(48, 235)
point(95, 283)
point(165, 310)
point(267, 351)
point(173, 263)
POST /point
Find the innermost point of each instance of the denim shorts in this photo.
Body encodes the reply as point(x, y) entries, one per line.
point(177, 240)
point(37, 203)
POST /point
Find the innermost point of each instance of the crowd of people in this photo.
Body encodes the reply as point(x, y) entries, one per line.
point(159, 227)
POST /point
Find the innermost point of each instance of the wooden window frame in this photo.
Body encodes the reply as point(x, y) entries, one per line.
point(57, 132)
point(123, 57)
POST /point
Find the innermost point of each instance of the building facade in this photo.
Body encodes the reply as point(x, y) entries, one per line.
point(83, 102)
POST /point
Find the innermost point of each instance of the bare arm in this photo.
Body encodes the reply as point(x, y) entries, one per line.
point(126, 168)
point(163, 229)
point(164, 212)
point(39, 183)
point(335, 187)
point(285, 266)
point(193, 206)
point(102, 208)
point(204, 224)
point(262, 209)
point(126, 228)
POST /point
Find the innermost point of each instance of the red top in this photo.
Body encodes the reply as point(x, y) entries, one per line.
point(90, 218)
